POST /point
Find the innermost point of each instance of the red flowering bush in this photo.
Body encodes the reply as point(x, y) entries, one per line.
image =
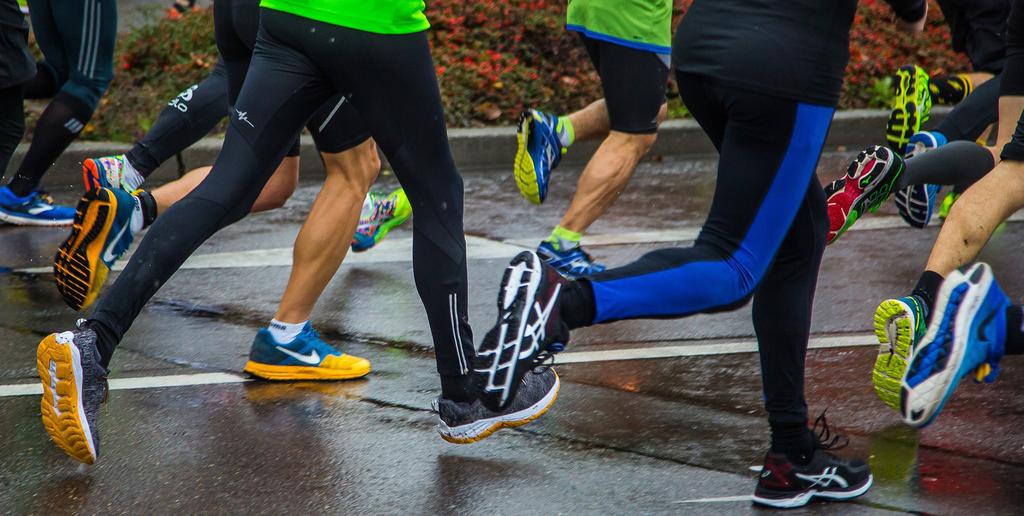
point(493, 58)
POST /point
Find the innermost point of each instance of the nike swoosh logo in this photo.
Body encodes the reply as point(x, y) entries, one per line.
point(108, 253)
point(311, 359)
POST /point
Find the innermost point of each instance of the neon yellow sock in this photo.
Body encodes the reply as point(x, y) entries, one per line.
point(563, 239)
point(566, 134)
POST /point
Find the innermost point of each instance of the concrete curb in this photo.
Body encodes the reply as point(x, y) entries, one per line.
point(490, 148)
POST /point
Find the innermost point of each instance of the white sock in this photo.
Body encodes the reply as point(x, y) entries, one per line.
point(131, 177)
point(285, 333)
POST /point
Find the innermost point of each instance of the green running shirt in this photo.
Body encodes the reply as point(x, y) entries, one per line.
point(639, 24)
point(379, 16)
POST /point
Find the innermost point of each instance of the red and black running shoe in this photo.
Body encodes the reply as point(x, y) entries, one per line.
point(868, 182)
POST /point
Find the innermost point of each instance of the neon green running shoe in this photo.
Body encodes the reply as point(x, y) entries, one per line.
point(899, 325)
point(910, 106)
point(381, 213)
point(947, 204)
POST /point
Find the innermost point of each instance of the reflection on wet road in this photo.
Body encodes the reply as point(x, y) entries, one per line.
point(653, 417)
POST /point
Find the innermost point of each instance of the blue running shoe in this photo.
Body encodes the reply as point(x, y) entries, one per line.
point(573, 264)
point(308, 357)
point(538, 153)
point(105, 224)
point(967, 333)
point(916, 203)
point(35, 209)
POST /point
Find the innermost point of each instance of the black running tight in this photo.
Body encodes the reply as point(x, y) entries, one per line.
point(298, 64)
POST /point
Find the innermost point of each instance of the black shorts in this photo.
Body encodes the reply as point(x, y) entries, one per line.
point(978, 30)
point(335, 127)
point(633, 82)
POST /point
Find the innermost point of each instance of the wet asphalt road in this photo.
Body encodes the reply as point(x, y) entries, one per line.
point(666, 435)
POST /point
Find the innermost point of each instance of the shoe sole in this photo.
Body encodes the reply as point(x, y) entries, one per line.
point(77, 267)
point(904, 120)
point(941, 385)
point(90, 175)
point(525, 172)
point(516, 299)
point(805, 497)
point(894, 327)
point(903, 206)
point(880, 186)
point(289, 373)
point(480, 430)
point(60, 371)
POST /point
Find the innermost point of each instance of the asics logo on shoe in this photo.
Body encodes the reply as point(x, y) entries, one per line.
point(108, 253)
point(825, 479)
point(311, 359)
point(243, 117)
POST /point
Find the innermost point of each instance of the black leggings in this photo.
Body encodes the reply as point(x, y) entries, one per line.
point(12, 123)
point(763, 237)
point(970, 118)
point(299, 64)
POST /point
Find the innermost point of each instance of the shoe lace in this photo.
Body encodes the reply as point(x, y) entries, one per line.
point(45, 197)
point(826, 437)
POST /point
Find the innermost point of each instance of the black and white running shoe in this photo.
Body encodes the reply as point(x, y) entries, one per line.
point(784, 484)
point(528, 330)
point(464, 423)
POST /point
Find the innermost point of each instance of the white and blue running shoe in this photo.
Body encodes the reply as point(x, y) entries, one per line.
point(967, 334)
point(34, 209)
point(538, 153)
point(916, 203)
point(574, 263)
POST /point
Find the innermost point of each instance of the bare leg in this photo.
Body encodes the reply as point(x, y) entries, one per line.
point(275, 193)
point(974, 217)
point(605, 177)
point(591, 121)
point(323, 240)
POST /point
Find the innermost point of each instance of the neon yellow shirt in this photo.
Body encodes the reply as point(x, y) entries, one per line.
point(639, 24)
point(379, 16)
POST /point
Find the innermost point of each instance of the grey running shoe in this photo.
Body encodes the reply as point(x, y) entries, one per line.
point(464, 423)
point(74, 386)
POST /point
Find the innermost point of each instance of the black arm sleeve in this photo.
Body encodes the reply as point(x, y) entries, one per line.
point(908, 10)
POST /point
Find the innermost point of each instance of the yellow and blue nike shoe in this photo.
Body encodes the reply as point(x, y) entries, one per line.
point(106, 221)
point(381, 213)
point(899, 325)
point(539, 152)
point(307, 357)
point(967, 334)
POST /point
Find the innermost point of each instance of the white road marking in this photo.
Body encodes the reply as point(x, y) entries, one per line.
point(693, 350)
point(145, 382)
point(396, 250)
point(720, 499)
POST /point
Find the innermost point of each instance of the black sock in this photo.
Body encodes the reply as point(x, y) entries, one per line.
point(794, 440)
point(576, 304)
point(457, 388)
point(1014, 330)
point(927, 288)
point(105, 340)
point(148, 207)
point(58, 126)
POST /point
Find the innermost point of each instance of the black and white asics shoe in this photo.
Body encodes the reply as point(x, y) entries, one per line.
point(528, 331)
point(785, 484)
point(464, 423)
